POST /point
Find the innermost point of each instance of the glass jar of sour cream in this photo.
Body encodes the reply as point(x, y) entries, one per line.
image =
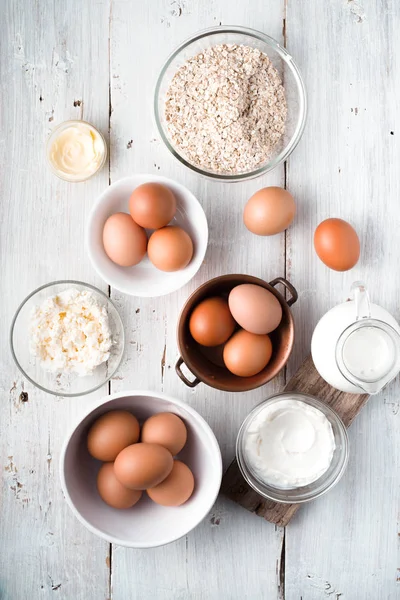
point(292, 448)
point(76, 151)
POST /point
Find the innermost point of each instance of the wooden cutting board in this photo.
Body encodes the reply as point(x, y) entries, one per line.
point(308, 381)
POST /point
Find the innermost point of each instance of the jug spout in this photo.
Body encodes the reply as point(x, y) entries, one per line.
point(372, 388)
point(368, 353)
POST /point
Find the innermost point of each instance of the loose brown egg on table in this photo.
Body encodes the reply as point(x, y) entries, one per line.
point(152, 205)
point(170, 248)
point(124, 241)
point(176, 489)
point(165, 429)
point(337, 245)
point(143, 465)
point(246, 354)
point(211, 322)
point(111, 433)
point(269, 211)
point(255, 308)
point(112, 492)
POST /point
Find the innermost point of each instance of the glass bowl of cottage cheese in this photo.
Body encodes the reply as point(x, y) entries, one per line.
point(67, 338)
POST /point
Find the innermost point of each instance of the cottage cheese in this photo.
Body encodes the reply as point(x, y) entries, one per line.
point(70, 333)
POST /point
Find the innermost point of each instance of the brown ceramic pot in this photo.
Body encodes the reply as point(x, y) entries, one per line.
point(206, 364)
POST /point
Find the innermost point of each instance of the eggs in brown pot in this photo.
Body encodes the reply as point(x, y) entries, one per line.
point(256, 309)
point(246, 354)
point(211, 322)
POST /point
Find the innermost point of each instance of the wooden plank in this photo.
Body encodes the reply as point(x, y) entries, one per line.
point(221, 557)
point(345, 544)
point(48, 75)
point(308, 381)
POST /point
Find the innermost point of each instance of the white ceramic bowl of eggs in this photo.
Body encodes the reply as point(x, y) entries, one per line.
point(109, 235)
point(147, 524)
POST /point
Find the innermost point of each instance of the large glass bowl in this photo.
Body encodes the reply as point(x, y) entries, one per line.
point(62, 384)
point(282, 61)
point(307, 492)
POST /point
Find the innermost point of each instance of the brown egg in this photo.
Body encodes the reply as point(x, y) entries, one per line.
point(337, 244)
point(111, 433)
point(211, 322)
point(165, 429)
point(112, 492)
point(269, 211)
point(170, 249)
point(152, 205)
point(255, 308)
point(246, 354)
point(143, 465)
point(124, 241)
point(176, 488)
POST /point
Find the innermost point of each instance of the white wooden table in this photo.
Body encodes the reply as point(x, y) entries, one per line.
point(99, 60)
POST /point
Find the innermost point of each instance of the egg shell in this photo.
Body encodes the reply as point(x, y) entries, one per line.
point(152, 205)
point(111, 433)
point(255, 309)
point(112, 492)
point(124, 241)
point(165, 429)
point(336, 244)
point(143, 465)
point(246, 354)
point(176, 489)
point(269, 211)
point(211, 322)
point(170, 248)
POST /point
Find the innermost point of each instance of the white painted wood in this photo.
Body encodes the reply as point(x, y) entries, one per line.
point(48, 52)
point(56, 54)
point(346, 545)
point(231, 554)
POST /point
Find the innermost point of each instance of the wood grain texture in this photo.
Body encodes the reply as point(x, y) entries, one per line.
point(306, 380)
point(346, 545)
point(47, 55)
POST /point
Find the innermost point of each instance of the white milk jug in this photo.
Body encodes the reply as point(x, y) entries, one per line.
point(356, 345)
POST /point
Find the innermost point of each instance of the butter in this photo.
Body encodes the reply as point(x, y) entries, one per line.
point(76, 151)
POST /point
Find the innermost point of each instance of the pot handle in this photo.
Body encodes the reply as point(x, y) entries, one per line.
point(293, 292)
point(181, 376)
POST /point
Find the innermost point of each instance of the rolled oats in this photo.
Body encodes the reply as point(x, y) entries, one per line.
point(226, 109)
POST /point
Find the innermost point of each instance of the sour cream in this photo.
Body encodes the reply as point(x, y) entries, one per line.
point(76, 151)
point(289, 444)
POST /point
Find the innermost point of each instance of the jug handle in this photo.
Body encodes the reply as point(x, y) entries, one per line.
point(361, 300)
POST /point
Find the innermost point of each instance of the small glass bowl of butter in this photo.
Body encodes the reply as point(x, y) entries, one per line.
point(292, 448)
point(76, 151)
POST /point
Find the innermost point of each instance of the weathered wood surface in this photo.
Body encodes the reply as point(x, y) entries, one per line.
point(308, 381)
point(99, 60)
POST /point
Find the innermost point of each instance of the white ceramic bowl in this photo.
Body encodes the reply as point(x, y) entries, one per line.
point(144, 279)
point(147, 524)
